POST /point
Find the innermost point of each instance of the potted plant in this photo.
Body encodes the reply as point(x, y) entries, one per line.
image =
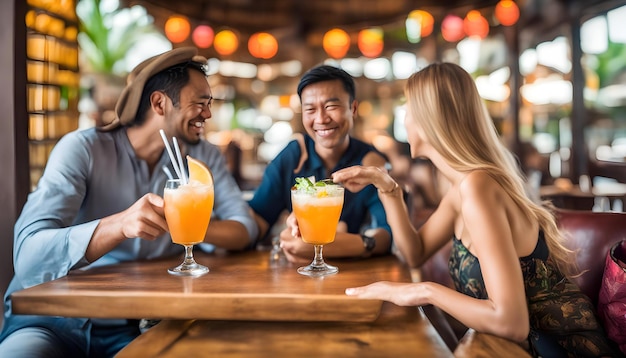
point(107, 37)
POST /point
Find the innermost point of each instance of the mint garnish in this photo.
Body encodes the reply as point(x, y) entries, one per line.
point(304, 184)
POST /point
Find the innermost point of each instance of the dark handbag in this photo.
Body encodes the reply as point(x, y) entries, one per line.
point(612, 297)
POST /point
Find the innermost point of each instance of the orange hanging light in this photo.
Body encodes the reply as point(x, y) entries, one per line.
point(226, 42)
point(507, 12)
point(336, 43)
point(262, 45)
point(475, 24)
point(177, 28)
point(425, 20)
point(452, 28)
point(370, 42)
point(203, 36)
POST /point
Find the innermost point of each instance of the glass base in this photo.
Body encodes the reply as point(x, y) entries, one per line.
point(194, 269)
point(320, 270)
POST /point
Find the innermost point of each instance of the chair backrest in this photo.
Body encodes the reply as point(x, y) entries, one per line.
point(591, 235)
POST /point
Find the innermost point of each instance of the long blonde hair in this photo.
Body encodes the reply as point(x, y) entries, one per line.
point(444, 101)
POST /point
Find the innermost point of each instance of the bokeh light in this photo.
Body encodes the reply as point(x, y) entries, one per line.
point(370, 42)
point(475, 24)
point(203, 36)
point(336, 43)
point(263, 45)
point(177, 28)
point(507, 12)
point(226, 42)
point(452, 28)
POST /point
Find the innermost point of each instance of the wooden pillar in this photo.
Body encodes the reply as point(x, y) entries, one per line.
point(513, 53)
point(579, 151)
point(14, 181)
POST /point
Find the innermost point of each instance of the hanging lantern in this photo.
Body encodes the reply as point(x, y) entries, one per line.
point(419, 24)
point(177, 28)
point(262, 45)
point(507, 12)
point(370, 42)
point(225, 42)
point(336, 43)
point(452, 28)
point(475, 24)
point(203, 36)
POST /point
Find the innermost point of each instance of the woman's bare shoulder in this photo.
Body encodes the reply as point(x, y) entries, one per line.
point(478, 182)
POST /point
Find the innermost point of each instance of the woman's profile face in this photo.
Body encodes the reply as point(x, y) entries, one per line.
point(415, 134)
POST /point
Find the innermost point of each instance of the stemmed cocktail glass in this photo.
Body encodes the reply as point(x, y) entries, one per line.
point(317, 209)
point(188, 209)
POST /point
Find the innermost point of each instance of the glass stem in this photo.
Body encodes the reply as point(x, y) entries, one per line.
point(319, 258)
point(189, 256)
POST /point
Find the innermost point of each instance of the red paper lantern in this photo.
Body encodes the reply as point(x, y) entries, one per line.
point(225, 42)
point(475, 24)
point(262, 45)
point(336, 43)
point(177, 28)
point(203, 36)
point(452, 28)
point(507, 12)
point(370, 42)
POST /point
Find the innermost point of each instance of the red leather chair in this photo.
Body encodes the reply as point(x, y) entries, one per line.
point(591, 235)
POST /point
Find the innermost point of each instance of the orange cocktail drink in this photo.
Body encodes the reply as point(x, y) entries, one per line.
point(317, 208)
point(188, 211)
point(318, 214)
point(188, 207)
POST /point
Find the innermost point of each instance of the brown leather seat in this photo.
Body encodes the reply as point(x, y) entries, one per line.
point(591, 234)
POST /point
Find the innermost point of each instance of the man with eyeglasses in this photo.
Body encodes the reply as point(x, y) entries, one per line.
point(100, 202)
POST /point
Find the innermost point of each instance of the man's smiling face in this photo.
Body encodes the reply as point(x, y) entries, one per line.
point(327, 113)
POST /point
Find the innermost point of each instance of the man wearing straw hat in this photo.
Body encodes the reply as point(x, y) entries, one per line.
point(99, 202)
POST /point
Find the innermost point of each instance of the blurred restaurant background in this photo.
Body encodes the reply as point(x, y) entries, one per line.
point(552, 74)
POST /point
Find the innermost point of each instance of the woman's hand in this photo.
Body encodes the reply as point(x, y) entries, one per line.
point(401, 294)
point(357, 177)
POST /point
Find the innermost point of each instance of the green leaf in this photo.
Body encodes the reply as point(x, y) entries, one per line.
point(103, 43)
point(304, 184)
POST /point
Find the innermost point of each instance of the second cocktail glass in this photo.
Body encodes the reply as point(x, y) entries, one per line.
point(188, 211)
point(317, 209)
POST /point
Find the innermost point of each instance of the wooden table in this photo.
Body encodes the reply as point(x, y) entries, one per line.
point(239, 286)
point(398, 332)
point(576, 199)
point(244, 308)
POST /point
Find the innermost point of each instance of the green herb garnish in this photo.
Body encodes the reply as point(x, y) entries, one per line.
point(304, 184)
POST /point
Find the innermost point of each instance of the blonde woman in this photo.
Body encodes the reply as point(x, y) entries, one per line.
point(508, 264)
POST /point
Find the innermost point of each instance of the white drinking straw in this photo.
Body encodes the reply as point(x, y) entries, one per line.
point(168, 172)
point(169, 152)
point(180, 161)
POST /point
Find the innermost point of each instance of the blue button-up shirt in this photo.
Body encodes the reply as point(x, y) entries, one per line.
point(273, 196)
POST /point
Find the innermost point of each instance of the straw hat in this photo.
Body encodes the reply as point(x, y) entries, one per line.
point(128, 103)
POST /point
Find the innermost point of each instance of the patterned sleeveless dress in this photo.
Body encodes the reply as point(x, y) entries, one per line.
point(563, 322)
